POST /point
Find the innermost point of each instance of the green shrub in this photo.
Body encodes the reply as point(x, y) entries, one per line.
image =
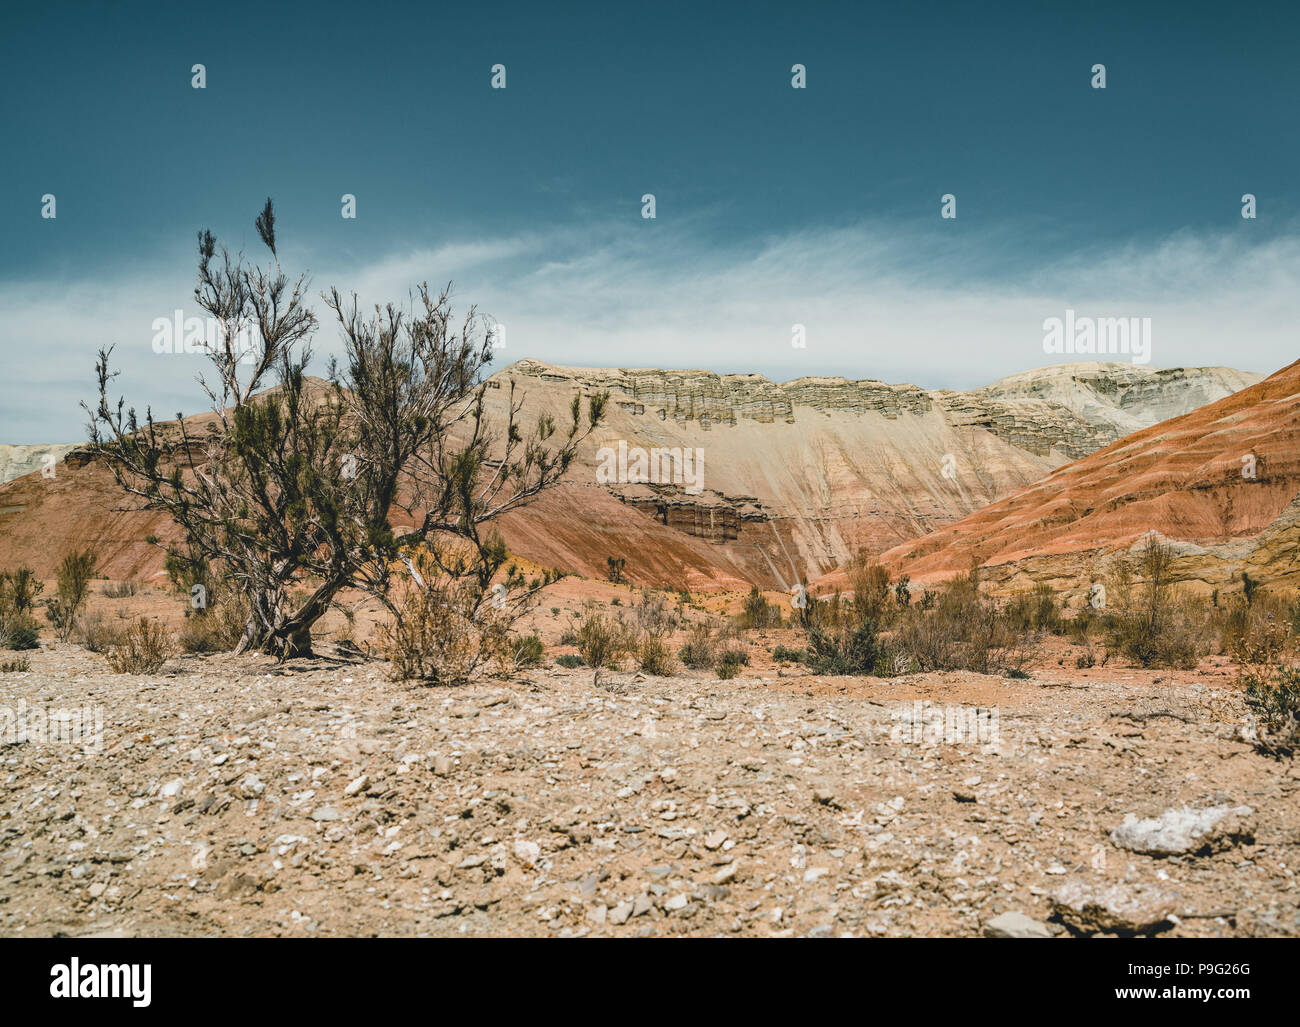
point(18, 591)
point(570, 661)
point(528, 651)
point(654, 657)
point(699, 652)
point(19, 632)
point(602, 641)
point(758, 612)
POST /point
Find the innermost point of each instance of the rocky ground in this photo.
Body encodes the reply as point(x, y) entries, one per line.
point(232, 796)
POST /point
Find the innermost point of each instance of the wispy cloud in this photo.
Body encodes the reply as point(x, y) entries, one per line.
point(937, 308)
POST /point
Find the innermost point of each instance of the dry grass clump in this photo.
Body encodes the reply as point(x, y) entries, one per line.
point(1148, 619)
point(142, 648)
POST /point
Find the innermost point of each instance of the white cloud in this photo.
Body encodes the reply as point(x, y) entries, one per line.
point(932, 308)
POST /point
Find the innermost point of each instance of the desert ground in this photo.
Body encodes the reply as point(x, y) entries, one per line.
point(239, 796)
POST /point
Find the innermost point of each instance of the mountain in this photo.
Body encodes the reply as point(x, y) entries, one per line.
point(15, 461)
point(795, 475)
point(1221, 484)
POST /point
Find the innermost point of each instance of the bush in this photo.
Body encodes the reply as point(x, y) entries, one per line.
point(1151, 623)
point(143, 648)
point(783, 655)
point(1036, 610)
point(651, 615)
point(1273, 697)
point(602, 641)
point(699, 652)
point(527, 651)
point(434, 637)
point(18, 591)
point(94, 633)
point(956, 628)
point(758, 612)
point(872, 593)
point(121, 590)
point(74, 574)
point(15, 666)
point(846, 650)
point(1256, 630)
point(727, 670)
point(654, 657)
point(570, 661)
point(216, 629)
point(18, 632)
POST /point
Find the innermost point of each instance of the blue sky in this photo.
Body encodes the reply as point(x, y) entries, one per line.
point(775, 206)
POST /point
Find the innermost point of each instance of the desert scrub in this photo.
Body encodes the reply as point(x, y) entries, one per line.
point(18, 591)
point(1273, 698)
point(570, 661)
point(73, 575)
point(730, 660)
point(143, 648)
point(602, 641)
point(1147, 619)
point(18, 632)
point(526, 651)
point(758, 613)
point(653, 656)
point(783, 655)
point(17, 665)
point(699, 651)
point(94, 633)
point(216, 628)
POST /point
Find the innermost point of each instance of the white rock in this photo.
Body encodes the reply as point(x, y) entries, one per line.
point(357, 785)
point(1015, 925)
point(1186, 829)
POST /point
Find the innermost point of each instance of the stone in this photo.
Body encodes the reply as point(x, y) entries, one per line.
point(620, 913)
point(326, 814)
point(357, 785)
point(1095, 906)
point(528, 853)
point(251, 786)
point(1185, 830)
point(172, 788)
point(1016, 925)
point(714, 839)
point(726, 874)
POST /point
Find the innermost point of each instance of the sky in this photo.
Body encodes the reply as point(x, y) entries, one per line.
point(775, 206)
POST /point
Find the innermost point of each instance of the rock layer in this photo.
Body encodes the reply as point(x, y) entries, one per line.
point(795, 475)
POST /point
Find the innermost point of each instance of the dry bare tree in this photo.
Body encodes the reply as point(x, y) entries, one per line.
point(293, 489)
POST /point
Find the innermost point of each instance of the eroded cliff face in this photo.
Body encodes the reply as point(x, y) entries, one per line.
point(1221, 484)
point(797, 475)
point(793, 477)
